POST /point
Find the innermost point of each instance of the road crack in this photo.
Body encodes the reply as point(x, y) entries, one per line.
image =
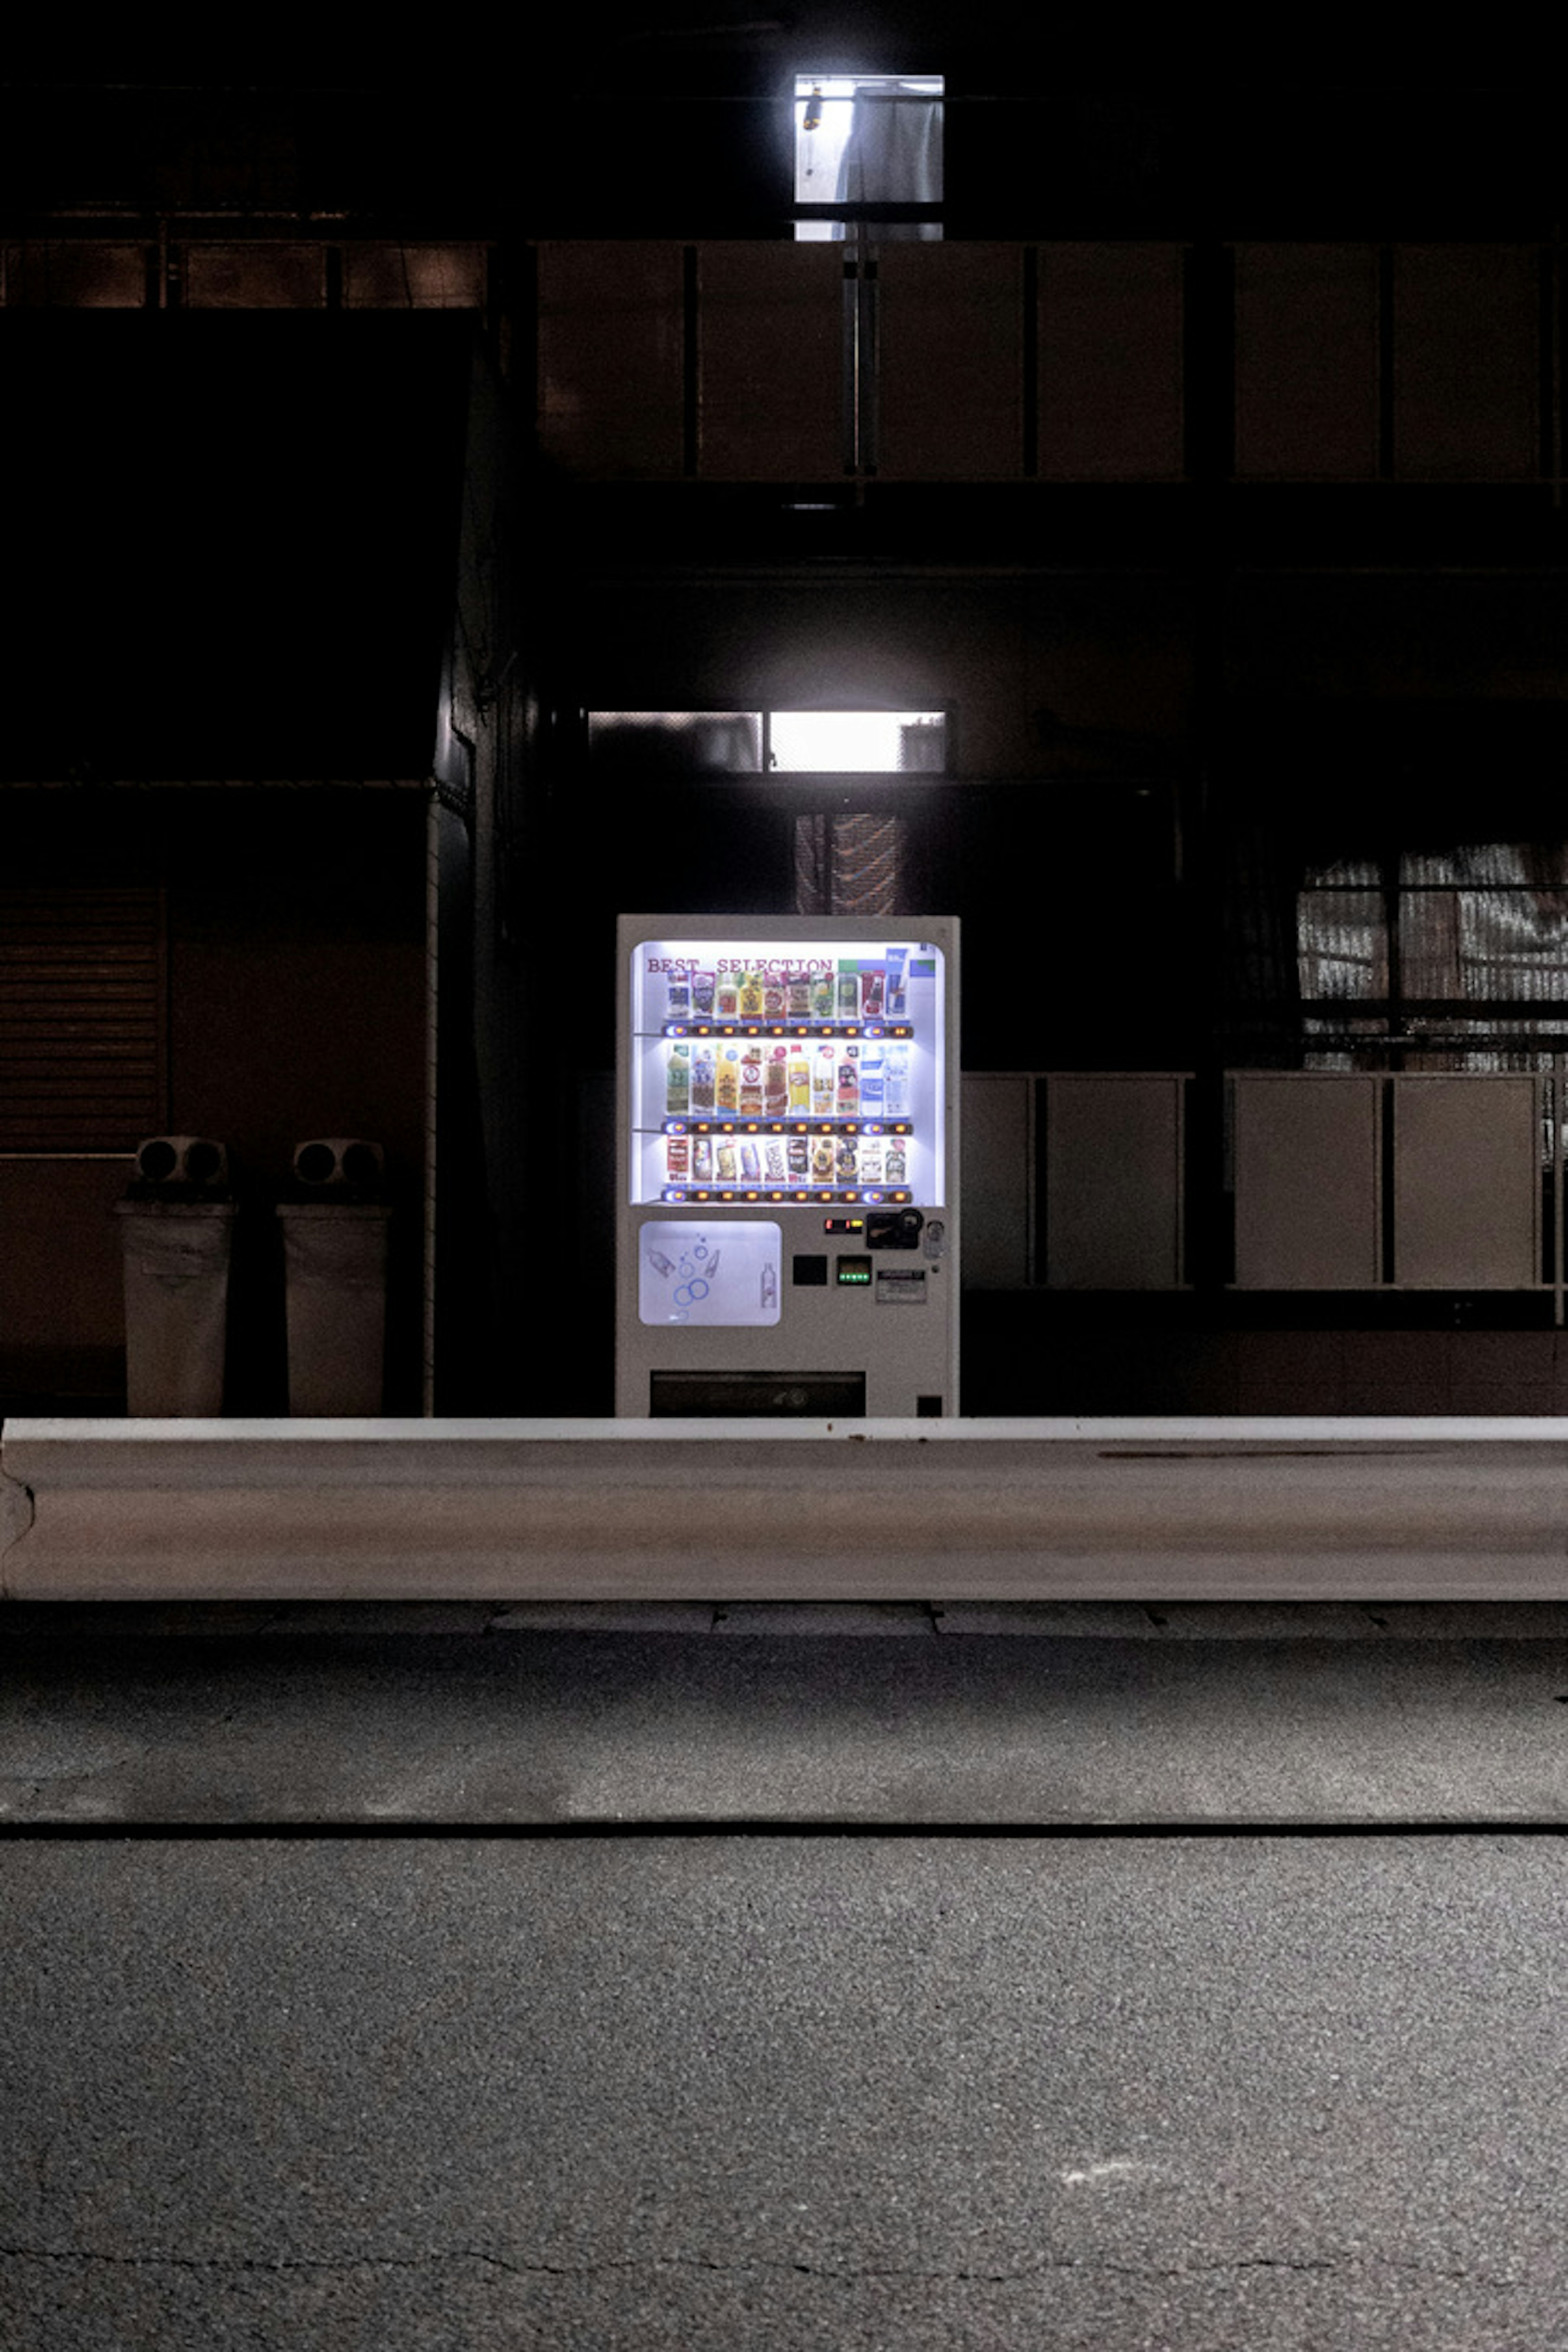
point(522, 2266)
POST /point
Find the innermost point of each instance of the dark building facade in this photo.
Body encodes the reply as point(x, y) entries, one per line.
point(1204, 471)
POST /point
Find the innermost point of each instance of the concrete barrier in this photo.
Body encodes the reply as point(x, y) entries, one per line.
point(585, 1510)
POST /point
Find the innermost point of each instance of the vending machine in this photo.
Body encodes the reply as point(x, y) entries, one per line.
point(787, 1147)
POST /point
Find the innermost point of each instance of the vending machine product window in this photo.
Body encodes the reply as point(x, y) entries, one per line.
point(779, 1070)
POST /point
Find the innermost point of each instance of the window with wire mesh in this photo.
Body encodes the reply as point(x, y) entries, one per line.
point(80, 1019)
point(1461, 953)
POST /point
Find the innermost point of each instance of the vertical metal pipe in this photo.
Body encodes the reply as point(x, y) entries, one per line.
point(432, 981)
point(1559, 1069)
point(852, 361)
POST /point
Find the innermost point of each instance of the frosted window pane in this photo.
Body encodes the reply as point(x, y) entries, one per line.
point(862, 743)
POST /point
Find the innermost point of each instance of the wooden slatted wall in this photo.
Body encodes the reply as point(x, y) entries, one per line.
point(82, 1030)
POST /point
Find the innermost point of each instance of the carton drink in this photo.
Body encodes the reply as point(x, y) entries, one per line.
point(750, 1162)
point(726, 1163)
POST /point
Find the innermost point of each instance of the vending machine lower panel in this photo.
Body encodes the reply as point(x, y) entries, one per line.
point(813, 1396)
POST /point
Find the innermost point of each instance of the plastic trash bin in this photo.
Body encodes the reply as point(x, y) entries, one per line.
point(177, 1230)
point(334, 1273)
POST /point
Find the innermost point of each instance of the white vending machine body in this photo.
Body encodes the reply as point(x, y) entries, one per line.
point(786, 1166)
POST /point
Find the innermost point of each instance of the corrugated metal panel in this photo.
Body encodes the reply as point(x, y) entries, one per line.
point(610, 352)
point(951, 382)
point(771, 355)
point(80, 1019)
point(1111, 362)
point(1466, 363)
point(1306, 362)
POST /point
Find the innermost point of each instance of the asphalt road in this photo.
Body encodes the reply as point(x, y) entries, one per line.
point(722, 2092)
point(1114, 1716)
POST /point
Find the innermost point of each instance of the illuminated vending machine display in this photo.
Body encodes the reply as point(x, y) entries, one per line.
point(787, 1139)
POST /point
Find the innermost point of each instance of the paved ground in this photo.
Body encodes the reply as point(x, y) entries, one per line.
point(1207, 1715)
point(712, 2094)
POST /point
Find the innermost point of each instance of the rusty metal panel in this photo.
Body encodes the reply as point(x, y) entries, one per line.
point(86, 275)
point(379, 277)
point(611, 340)
point(1111, 362)
point(1306, 362)
point(259, 275)
point(771, 364)
point(950, 375)
point(1466, 363)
